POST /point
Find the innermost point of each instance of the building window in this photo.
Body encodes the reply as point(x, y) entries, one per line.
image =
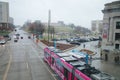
point(117, 25)
point(117, 36)
point(116, 46)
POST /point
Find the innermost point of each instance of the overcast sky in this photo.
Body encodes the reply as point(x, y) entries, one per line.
point(79, 12)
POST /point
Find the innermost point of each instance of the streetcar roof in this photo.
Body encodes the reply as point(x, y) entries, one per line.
point(77, 63)
point(63, 54)
point(69, 58)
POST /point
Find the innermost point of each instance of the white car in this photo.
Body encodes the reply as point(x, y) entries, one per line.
point(2, 41)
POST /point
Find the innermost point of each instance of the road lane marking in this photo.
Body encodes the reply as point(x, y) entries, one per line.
point(27, 65)
point(8, 67)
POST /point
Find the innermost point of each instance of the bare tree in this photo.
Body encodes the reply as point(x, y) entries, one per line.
point(39, 27)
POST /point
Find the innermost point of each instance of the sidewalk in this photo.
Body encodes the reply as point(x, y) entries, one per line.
point(39, 43)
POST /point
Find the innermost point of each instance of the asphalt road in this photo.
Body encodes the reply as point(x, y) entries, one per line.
point(23, 60)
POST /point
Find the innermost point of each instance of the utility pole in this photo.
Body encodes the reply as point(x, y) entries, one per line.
point(49, 19)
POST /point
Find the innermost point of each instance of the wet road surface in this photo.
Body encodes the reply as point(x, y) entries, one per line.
point(23, 61)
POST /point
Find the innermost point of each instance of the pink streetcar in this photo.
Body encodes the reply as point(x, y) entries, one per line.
point(68, 67)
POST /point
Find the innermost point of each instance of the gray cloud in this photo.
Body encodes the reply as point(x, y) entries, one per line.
point(79, 12)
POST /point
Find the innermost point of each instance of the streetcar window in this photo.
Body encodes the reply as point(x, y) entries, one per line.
point(73, 76)
point(66, 73)
point(46, 55)
point(73, 73)
point(117, 25)
point(52, 60)
point(58, 64)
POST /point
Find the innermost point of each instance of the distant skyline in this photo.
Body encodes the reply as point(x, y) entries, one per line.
point(78, 12)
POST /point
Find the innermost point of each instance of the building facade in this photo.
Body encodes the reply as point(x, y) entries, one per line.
point(111, 25)
point(97, 26)
point(4, 14)
point(11, 20)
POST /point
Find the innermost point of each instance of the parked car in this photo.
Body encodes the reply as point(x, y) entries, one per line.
point(75, 42)
point(55, 39)
point(17, 34)
point(2, 42)
point(69, 40)
point(7, 37)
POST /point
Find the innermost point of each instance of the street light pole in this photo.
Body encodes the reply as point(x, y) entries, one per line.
point(49, 19)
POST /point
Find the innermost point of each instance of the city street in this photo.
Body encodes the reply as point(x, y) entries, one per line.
point(52, 41)
point(22, 60)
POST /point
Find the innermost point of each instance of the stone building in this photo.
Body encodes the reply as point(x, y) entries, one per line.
point(111, 32)
point(111, 24)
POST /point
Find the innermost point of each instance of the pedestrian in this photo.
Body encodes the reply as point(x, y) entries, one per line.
point(83, 45)
point(90, 60)
point(115, 59)
point(106, 57)
point(101, 55)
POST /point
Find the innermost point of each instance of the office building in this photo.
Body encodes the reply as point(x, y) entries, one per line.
point(4, 14)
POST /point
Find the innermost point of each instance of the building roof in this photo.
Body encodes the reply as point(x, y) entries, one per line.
point(113, 3)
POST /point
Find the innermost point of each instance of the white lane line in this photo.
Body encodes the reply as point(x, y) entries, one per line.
point(7, 69)
point(27, 65)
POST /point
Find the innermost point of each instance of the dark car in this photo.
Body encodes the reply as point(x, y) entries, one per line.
point(75, 42)
point(29, 37)
point(21, 37)
point(17, 34)
point(17, 37)
point(15, 40)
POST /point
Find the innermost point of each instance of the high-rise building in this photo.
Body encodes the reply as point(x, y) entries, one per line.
point(111, 24)
point(11, 20)
point(97, 26)
point(4, 14)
